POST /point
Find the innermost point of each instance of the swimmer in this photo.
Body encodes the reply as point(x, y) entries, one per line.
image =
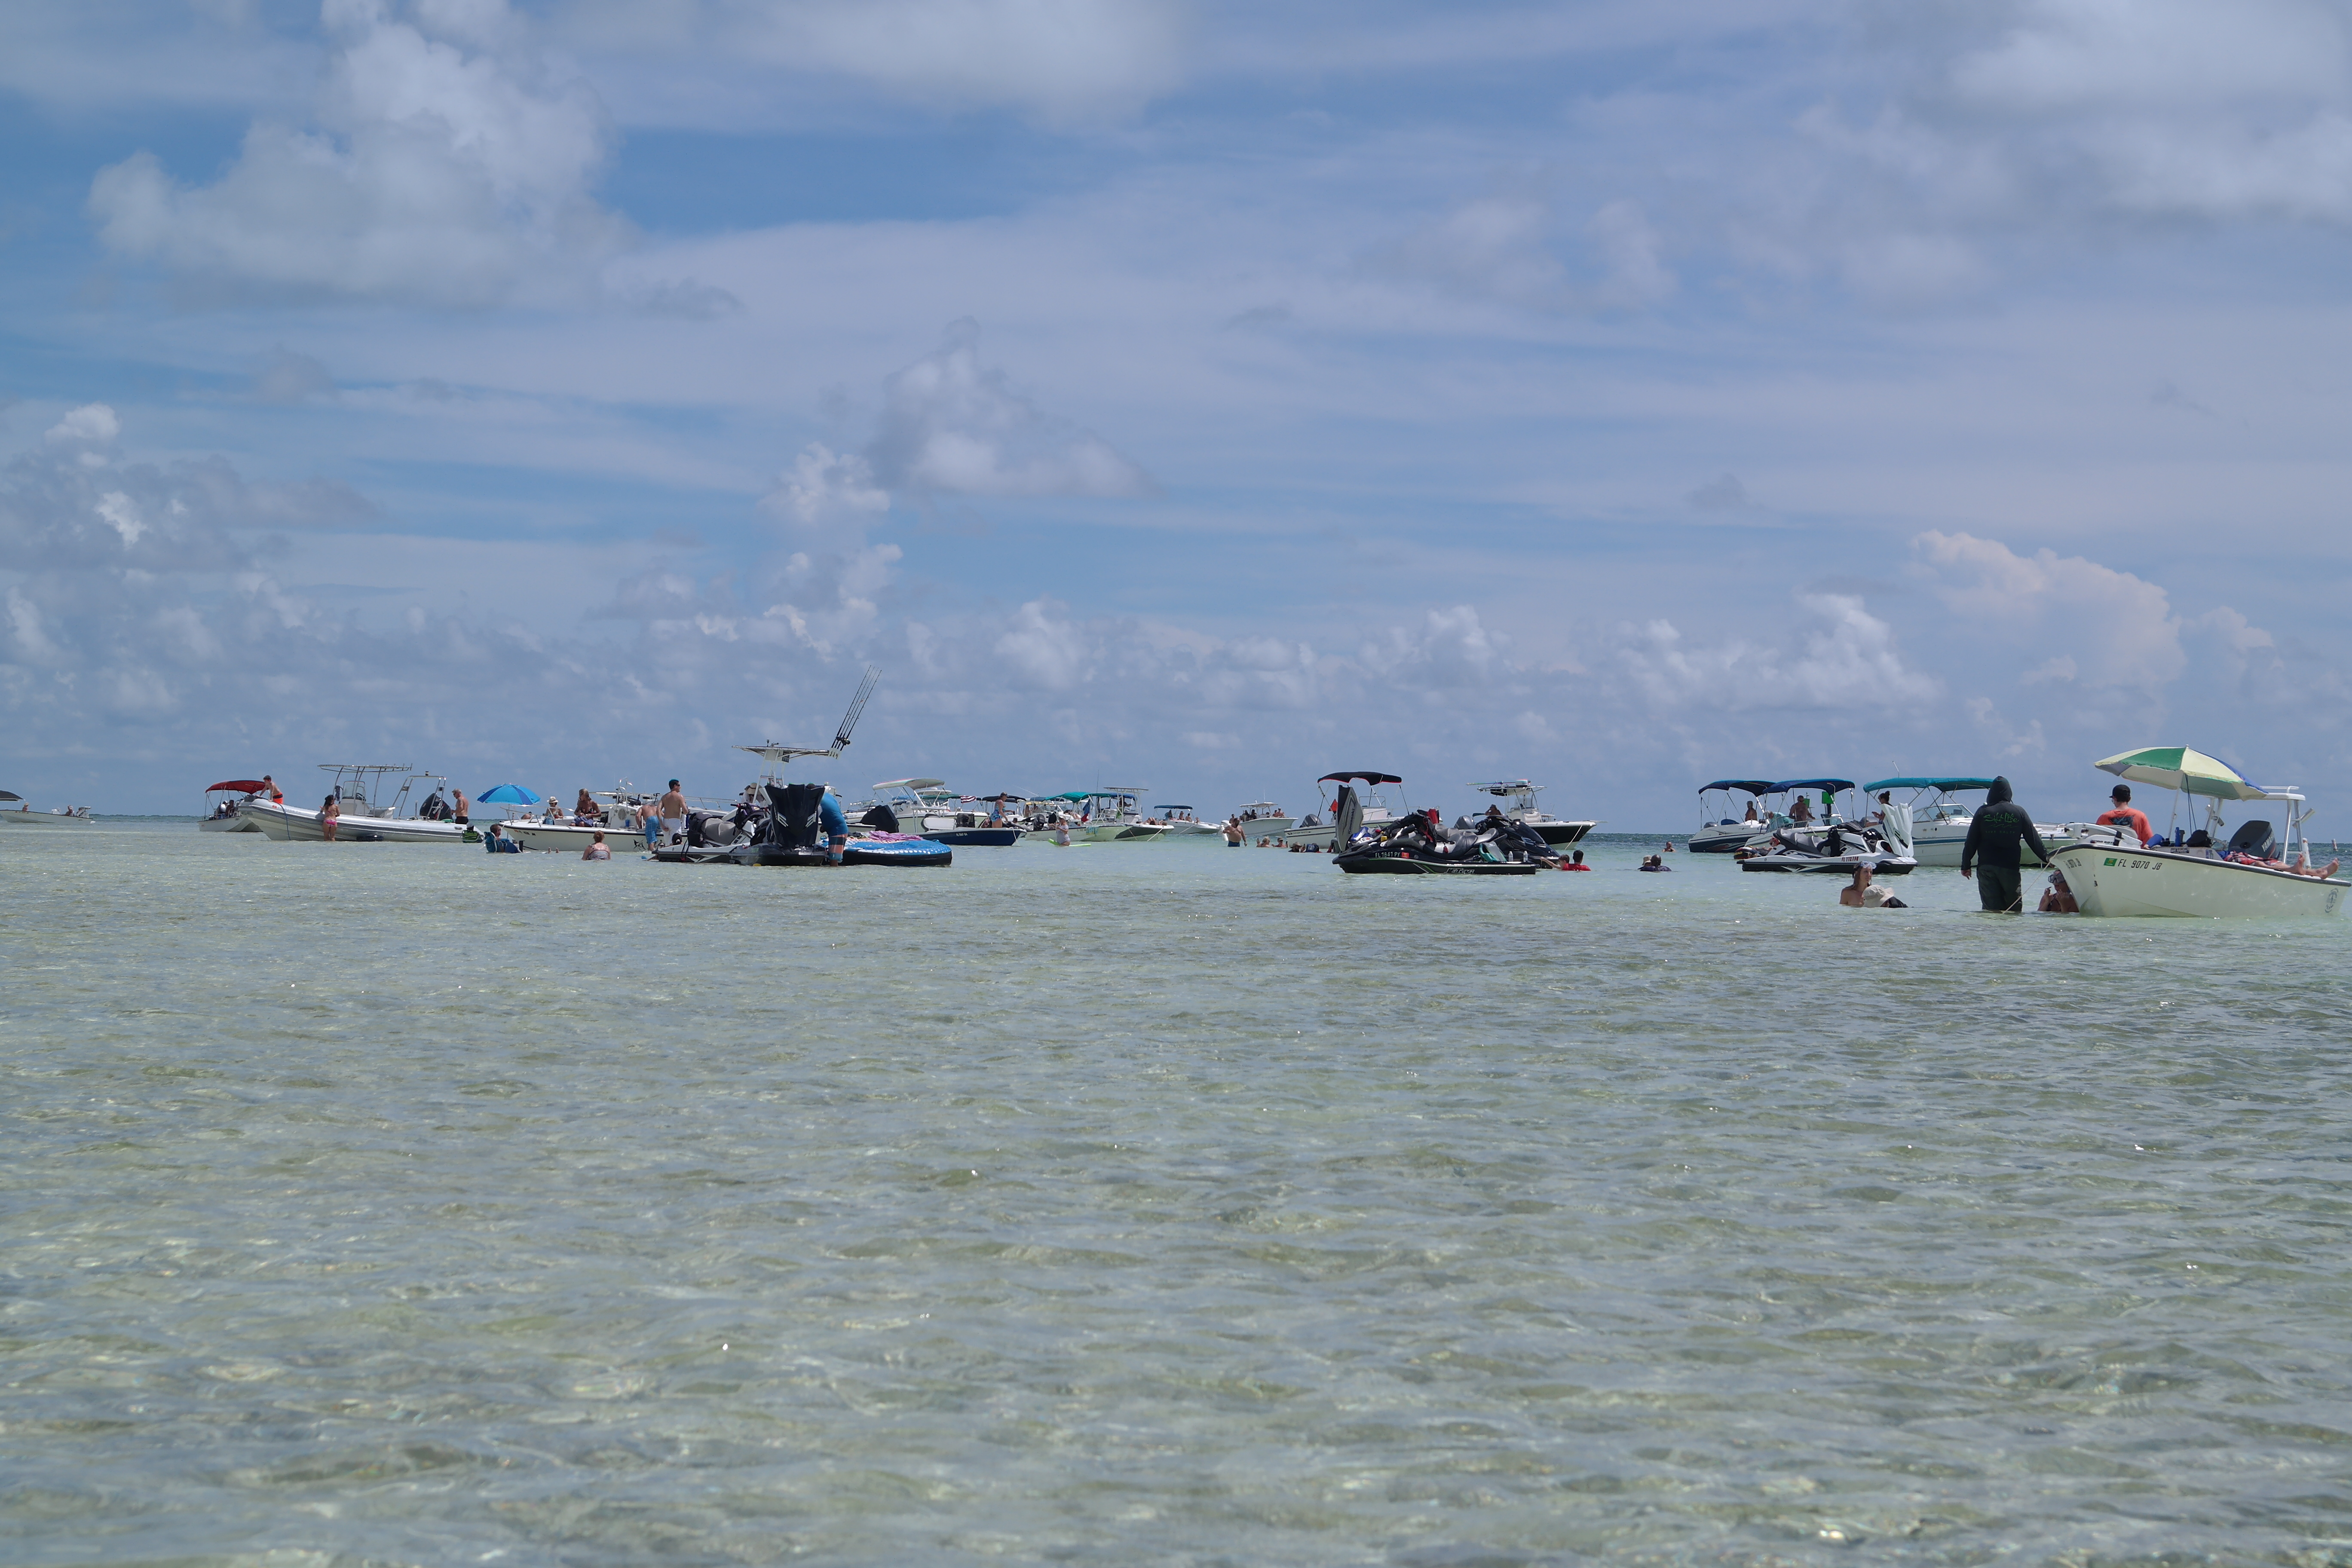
point(1575, 861)
point(597, 851)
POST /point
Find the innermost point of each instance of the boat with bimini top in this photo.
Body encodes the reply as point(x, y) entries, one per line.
point(1722, 836)
point(1940, 822)
point(223, 816)
point(1380, 800)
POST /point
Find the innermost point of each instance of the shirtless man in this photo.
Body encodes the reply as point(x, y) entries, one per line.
point(672, 814)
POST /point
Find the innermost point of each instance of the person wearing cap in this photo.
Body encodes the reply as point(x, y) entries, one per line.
point(1991, 853)
point(2125, 813)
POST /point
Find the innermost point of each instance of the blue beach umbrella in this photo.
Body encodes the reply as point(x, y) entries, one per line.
point(507, 795)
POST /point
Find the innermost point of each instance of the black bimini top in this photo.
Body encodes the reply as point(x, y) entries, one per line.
point(1363, 777)
point(1753, 787)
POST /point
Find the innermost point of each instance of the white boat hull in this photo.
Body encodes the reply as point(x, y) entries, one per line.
point(1120, 833)
point(1939, 843)
point(20, 816)
point(288, 823)
point(564, 838)
point(236, 824)
point(2128, 881)
point(1723, 837)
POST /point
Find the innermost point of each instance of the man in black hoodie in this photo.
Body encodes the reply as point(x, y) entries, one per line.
point(1991, 849)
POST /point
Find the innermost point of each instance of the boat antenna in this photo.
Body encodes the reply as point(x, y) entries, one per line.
point(857, 707)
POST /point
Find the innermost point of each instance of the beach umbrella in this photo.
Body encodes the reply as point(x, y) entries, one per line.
point(507, 795)
point(2180, 768)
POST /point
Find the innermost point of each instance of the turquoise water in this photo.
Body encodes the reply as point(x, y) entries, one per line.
point(411, 1205)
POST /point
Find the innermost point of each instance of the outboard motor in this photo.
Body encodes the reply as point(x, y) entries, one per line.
point(796, 822)
point(882, 819)
point(1346, 817)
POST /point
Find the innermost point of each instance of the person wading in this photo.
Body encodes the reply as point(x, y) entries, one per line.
point(1990, 854)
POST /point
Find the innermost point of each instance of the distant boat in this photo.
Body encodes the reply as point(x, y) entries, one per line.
point(926, 808)
point(1381, 801)
point(1554, 832)
point(223, 816)
point(14, 813)
point(364, 816)
point(1723, 835)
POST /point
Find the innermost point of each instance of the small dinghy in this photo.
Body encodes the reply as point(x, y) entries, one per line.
point(1416, 845)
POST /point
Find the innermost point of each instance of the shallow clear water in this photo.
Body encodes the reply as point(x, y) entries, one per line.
point(1172, 1205)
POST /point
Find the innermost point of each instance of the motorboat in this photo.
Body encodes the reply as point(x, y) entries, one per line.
point(926, 808)
point(1414, 845)
point(788, 832)
point(1381, 800)
point(1182, 824)
point(2257, 873)
point(364, 814)
point(1523, 809)
point(1262, 819)
point(1723, 835)
point(15, 813)
point(223, 816)
point(1939, 823)
point(620, 816)
point(1108, 814)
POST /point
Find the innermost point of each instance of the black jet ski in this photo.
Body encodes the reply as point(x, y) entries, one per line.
point(1415, 847)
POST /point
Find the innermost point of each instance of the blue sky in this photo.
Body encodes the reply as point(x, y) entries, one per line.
point(1622, 394)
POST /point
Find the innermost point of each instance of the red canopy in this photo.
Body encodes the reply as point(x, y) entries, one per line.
point(247, 786)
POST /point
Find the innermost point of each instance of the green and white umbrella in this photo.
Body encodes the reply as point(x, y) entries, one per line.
point(2184, 769)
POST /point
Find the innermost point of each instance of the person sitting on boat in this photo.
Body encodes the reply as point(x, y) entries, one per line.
point(585, 807)
point(1861, 895)
point(2125, 813)
point(2058, 898)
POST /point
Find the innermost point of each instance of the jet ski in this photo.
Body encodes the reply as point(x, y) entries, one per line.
point(1836, 848)
point(1416, 845)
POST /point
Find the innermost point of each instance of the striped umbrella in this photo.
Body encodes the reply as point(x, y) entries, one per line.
point(2182, 768)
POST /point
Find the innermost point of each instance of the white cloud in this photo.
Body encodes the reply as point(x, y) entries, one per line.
point(432, 174)
point(2096, 626)
point(1842, 659)
point(950, 426)
point(1044, 646)
point(91, 423)
point(826, 487)
point(1059, 60)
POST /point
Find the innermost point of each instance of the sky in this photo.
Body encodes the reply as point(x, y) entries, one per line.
point(1175, 393)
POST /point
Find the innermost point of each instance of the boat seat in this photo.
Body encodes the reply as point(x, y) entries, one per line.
point(2251, 838)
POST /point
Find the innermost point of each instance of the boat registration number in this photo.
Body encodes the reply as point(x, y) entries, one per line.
point(2133, 865)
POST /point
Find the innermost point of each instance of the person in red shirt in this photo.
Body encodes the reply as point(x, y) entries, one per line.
point(2125, 813)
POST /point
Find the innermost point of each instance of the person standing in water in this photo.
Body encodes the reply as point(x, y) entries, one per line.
point(672, 814)
point(329, 811)
point(1990, 854)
